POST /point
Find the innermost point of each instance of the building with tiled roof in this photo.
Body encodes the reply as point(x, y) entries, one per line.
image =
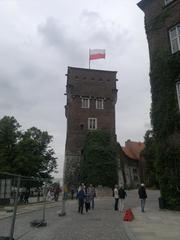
point(131, 167)
point(133, 149)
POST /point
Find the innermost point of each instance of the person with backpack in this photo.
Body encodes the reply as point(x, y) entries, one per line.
point(122, 194)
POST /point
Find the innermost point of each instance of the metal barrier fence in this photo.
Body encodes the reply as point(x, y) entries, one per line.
point(24, 194)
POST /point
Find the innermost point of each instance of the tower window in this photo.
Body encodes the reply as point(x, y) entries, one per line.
point(85, 102)
point(81, 126)
point(99, 103)
point(174, 34)
point(92, 123)
point(178, 93)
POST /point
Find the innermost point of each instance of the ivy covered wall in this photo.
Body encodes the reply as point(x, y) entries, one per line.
point(99, 162)
point(165, 118)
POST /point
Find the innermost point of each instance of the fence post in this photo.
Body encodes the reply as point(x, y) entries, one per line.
point(63, 209)
point(44, 201)
point(15, 209)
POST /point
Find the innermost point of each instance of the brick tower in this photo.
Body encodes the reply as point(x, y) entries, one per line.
point(91, 98)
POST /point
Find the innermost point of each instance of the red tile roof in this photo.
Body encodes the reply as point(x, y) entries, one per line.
point(133, 149)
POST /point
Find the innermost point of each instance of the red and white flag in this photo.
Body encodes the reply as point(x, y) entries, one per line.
point(96, 54)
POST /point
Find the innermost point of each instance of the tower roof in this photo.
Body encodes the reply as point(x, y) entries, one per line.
point(90, 70)
point(143, 3)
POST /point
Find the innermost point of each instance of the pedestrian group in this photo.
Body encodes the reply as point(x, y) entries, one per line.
point(120, 194)
point(85, 196)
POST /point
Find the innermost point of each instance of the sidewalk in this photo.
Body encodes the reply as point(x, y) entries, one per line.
point(27, 208)
point(154, 224)
point(102, 223)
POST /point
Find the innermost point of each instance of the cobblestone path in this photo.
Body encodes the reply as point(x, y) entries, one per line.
point(99, 224)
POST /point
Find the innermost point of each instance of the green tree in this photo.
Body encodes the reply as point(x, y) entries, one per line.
point(34, 156)
point(99, 164)
point(27, 153)
point(9, 137)
point(149, 154)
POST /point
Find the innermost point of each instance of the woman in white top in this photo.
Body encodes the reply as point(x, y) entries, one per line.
point(116, 197)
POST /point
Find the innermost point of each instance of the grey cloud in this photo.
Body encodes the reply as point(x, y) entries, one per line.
point(90, 16)
point(53, 33)
point(29, 71)
point(56, 36)
point(10, 96)
point(104, 33)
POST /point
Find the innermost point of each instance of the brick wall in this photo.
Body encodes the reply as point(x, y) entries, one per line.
point(93, 84)
point(158, 20)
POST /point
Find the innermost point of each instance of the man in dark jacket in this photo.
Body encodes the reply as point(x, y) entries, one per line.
point(81, 196)
point(122, 194)
point(142, 195)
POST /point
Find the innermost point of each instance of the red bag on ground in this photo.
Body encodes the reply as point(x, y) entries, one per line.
point(128, 215)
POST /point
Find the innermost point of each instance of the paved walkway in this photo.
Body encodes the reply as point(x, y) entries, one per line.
point(154, 224)
point(102, 224)
point(22, 209)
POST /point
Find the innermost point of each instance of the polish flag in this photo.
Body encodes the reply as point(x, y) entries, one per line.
point(96, 54)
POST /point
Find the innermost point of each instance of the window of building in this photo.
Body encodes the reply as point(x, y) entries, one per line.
point(85, 102)
point(178, 93)
point(174, 34)
point(168, 1)
point(92, 123)
point(99, 103)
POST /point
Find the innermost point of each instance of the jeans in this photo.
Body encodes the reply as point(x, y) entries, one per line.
point(92, 203)
point(143, 201)
point(121, 204)
point(116, 204)
point(81, 205)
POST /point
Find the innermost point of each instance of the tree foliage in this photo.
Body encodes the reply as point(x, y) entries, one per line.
point(99, 164)
point(149, 154)
point(27, 153)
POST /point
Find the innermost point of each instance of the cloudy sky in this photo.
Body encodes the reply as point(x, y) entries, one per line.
point(39, 39)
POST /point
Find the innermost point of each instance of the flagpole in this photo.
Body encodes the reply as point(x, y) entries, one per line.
point(89, 58)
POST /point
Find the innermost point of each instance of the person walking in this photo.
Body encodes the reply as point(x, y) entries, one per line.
point(142, 195)
point(56, 192)
point(27, 195)
point(92, 192)
point(72, 192)
point(81, 197)
point(87, 199)
point(122, 194)
point(116, 197)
